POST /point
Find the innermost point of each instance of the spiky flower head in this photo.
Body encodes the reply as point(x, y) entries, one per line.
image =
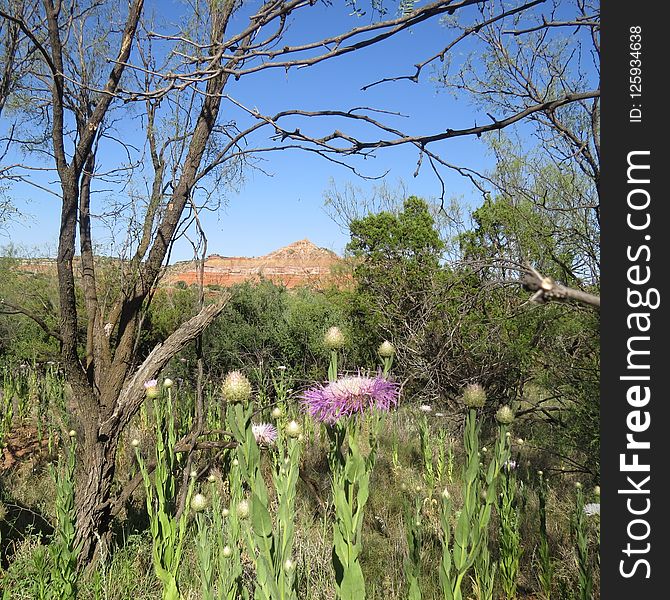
point(227, 551)
point(505, 415)
point(474, 396)
point(135, 443)
point(151, 389)
point(198, 502)
point(293, 429)
point(265, 434)
point(333, 339)
point(167, 383)
point(236, 387)
point(386, 349)
point(349, 396)
point(276, 412)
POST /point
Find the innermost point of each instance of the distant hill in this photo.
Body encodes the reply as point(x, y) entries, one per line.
point(299, 263)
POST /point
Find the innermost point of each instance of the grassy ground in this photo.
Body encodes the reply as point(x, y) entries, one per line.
point(27, 513)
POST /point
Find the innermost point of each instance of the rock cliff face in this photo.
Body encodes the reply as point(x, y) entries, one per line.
point(299, 263)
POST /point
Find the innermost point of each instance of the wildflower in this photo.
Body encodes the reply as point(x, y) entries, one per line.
point(236, 387)
point(225, 512)
point(348, 396)
point(211, 478)
point(264, 433)
point(519, 441)
point(540, 473)
point(509, 465)
point(72, 433)
point(578, 485)
point(167, 383)
point(596, 491)
point(425, 408)
point(484, 449)
point(288, 564)
point(474, 396)
point(242, 509)
point(293, 430)
point(386, 349)
point(198, 502)
point(194, 474)
point(445, 494)
point(334, 339)
point(135, 443)
point(592, 508)
point(505, 415)
point(227, 552)
point(235, 462)
point(151, 389)
point(276, 412)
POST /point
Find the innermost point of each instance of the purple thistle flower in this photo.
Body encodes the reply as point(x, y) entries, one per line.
point(264, 433)
point(349, 396)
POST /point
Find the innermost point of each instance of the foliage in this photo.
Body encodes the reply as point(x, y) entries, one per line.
point(64, 574)
point(168, 529)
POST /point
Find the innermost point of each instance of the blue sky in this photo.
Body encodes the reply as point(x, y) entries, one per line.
point(269, 212)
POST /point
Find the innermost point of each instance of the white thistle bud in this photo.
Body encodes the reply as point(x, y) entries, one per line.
point(276, 412)
point(198, 502)
point(445, 494)
point(596, 490)
point(227, 551)
point(135, 443)
point(225, 512)
point(333, 339)
point(474, 396)
point(288, 564)
point(386, 349)
point(505, 415)
point(293, 429)
point(236, 387)
point(72, 433)
point(168, 383)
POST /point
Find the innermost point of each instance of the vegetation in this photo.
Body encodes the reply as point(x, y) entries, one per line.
point(427, 431)
point(434, 486)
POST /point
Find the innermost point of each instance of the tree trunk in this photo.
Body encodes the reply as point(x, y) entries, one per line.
point(95, 477)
